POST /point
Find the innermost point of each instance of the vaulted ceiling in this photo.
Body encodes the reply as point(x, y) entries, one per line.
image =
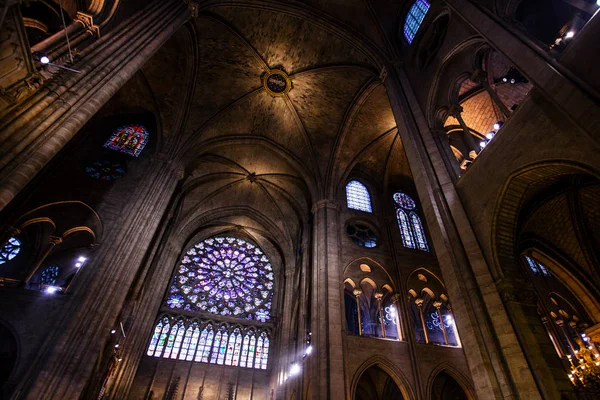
point(274, 156)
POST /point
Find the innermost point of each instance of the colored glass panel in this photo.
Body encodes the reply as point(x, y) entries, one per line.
point(415, 17)
point(215, 348)
point(128, 139)
point(163, 338)
point(537, 267)
point(419, 233)
point(265, 352)
point(224, 276)
point(357, 196)
point(404, 201)
point(49, 275)
point(105, 170)
point(156, 336)
point(10, 250)
point(405, 231)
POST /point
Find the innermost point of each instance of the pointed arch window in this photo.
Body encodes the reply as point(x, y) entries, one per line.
point(49, 275)
point(220, 276)
point(409, 222)
point(414, 19)
point(358, 197)
point(536, 267)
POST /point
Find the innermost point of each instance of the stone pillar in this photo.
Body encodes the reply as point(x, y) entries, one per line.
point(69, 354)
point(357, 293)
point(498, 367)
point(36, 130)
point(328, 376)
point(472, 145)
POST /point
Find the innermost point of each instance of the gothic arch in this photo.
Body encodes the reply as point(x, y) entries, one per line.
point(567, 277)
point(389, 368)
point(520, 187)
point(462, 380)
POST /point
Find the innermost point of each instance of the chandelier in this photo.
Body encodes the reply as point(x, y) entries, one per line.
point(585, 366)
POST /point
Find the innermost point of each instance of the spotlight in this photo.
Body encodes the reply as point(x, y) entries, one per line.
point(51, 289)
point(295, 370)
point(498, 125)
point(78, 264)
point(117, 346)
point(119, 359)
point(598, 2)
point(308, 350)
point(44, 59)
point(512, 81)
point(82, 259)
point(570, 34)
point(506, 79)
point(113, 331)
point(490, 135)
point(482, 144)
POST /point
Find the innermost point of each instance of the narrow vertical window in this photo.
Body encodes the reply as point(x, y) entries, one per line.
point(414, 19)
point(204, 345)
point(231, 347)
point(265, 351)
point(10, 250)
point(215, 348)
point(171, 340)
point(417, 228)
point(357, 197)
point(259, 349)
point(237, 350)
point(409, 223)
point(536, 267)
point(129, 139)
point(251, 352)
point(163, 338)
point(405, 231)
point(156, 336)
point(245, 350)
point(193, 343)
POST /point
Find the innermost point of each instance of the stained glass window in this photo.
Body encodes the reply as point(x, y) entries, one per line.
point(409, 223)
point(105, 170)
point(128, 139)
point(49, 275)
point(357, 196)
point(224, 276)
point(415, 17)
point(419, 234)
point(537, 267)
point(405, 231)
point(10, 250)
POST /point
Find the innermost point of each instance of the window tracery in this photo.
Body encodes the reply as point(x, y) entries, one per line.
point(536, 267)
point(409, 223)
point(49, 275)
point(358, 197)
point(221, 276)
point(414, 19)
point(10, 250)
point(180, 338)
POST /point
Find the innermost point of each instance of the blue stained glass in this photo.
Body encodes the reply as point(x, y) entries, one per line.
point(49, 275)
point(129, 139)
point(418, 232)
point(105, 170)
point(434, 322)
point(357, 197)
point(537, 267)
point(415, 17)
point(10, 250)
point(405, 231)
point(224, 276)
point(404, 201)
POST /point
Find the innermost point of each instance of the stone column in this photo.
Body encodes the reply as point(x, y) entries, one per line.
point(481, 77)
point(69, 354)
point(357, 293)
point(419, 303)
point(379, 298)
point(496, 362)
point(36, 130)
point(472, 145)
point(328, 376)
point(438, 305)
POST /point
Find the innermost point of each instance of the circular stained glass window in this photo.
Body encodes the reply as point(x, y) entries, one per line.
point(276, 83)
point(362, 235)
point(49, 275)
point(404, 201)
point(106, 170)
point(224, 276)
point(10, 250)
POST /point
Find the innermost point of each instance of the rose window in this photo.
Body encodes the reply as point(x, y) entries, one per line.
point(224, 276)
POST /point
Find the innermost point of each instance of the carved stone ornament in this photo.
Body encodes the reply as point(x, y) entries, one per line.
point(277, 83)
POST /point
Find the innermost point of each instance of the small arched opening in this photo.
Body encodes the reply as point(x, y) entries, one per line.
point(376, 384)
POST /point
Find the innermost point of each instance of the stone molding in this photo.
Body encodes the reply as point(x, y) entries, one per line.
point(325, 203)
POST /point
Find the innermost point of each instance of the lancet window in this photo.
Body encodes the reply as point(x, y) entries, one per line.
point(358, 197)
point(414, 19)
point(218, 277)
point(409, 222)
point(536, 267)
point(180, 338)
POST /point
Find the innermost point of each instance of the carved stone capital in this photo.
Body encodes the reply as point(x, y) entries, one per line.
point(325, 203)
point(193, 6)
point(455, 110)
point(88, 23)
point(510, 293)
point(378, 296)
point(55, 240)
point(357, 292)
point(419, 302)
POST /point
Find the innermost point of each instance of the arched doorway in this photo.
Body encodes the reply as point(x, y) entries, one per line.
point(376, 384)
point(446, 388)
point(8, 356)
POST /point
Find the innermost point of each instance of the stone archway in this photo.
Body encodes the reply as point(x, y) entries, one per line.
point(375, 384)
point(445, 387)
